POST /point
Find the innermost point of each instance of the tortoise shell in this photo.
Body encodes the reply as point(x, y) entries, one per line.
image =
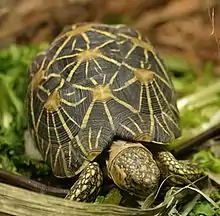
point(93, 83)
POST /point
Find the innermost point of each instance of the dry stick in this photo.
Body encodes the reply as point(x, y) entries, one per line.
point(25, 182)
point(188, 146)
point(21, 202)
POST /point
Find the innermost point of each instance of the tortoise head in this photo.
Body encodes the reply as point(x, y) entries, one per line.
point(132, 167)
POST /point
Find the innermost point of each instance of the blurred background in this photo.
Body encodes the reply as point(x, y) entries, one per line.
point(188, 28)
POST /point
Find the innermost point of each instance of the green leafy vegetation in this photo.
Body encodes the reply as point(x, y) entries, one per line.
point(14, 63)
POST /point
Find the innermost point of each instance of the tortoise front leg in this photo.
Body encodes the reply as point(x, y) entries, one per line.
point(88, 184)
point(169, 165)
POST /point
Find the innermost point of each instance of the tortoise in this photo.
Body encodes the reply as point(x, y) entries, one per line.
point(101, 94)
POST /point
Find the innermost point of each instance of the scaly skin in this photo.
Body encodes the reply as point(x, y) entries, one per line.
point(132, 168)
point(168, 165)
point(88, 184)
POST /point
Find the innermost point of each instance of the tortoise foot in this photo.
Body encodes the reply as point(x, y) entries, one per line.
point(183, 171)
point(86, 188)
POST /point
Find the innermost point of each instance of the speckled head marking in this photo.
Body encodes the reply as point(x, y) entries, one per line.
point(132, 168)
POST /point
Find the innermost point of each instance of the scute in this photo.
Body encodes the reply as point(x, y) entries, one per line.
point(93, 83)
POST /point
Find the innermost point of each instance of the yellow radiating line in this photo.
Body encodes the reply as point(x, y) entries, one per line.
point(149, 102)
point(161, 109)
point(58, 52)
point(128, 106)
point(56, 156)
point(44, 90)
point(96, 70)
point(140, 117)
point(62, 81)
point(128, 83)
point(162, 126)
point(108, 34)
point(73, 71)
point(38, 140)
point(136, 125)
point(113, 78)
point(70, 155)
point(41, 66)
point(49, 137)
point(115, 50)
point(130, 51)
point(163, 68)
point(122, 42)
point(171, 119)
point(104, 78)
point(39, 97)
point(175, 109)
point(109, 116)
point(80, 50)
point(93, 81)
point(97, 64)
point(145, 55)
point(67, 56)
point(104, 44)
point(141, 98)
point(32, 108)
point(39, 119)
point(68, 65)
point(70, 118)
point(74, 31)
point(74, 44)
point(69, 133)
point(89, 137)
point(87, 115)
point(167, 103)
point(87, 69)
point(85, 37)
point(33, 117)
point(163, 80)
point(55, 129)
point(97, 138)
point(64, 162)
point(150, 48)
point(80, 145)
point(128, 66)
point(52, 75)
point(163, 96)
point(139, 42)
point(82, 87)
point(70, 93)
point(73, 104)
point(32, 97)
point(109, 59)
point(78, 30)
point(129, 130)
point(139, 35)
